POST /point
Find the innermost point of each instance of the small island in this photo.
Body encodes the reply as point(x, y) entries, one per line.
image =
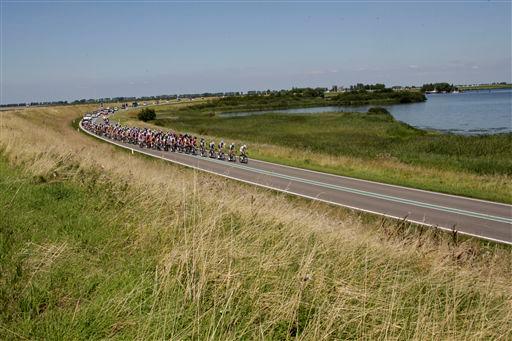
point(360, 94)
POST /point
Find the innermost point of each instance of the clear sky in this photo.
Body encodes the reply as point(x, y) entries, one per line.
point(61, 51)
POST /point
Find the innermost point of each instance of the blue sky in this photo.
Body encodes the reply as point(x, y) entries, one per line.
point(57, 50)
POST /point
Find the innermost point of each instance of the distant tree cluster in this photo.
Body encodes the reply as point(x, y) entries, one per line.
point(34, 104)
point(438, 87)
point(304, 92)
point(308, 92)
point(126, 99)
point(388, 95)
point(146, 114)
point(361, 86)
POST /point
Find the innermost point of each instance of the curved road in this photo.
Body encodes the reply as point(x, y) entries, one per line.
point(478, 218)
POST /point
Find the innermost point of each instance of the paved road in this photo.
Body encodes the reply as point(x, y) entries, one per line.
point(483, 219)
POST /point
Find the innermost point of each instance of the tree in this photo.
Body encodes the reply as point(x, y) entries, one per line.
point(439, 87)
point(146, 114)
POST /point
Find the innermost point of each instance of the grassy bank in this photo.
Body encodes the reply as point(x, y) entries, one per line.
point(97, 243)
point(374, 147)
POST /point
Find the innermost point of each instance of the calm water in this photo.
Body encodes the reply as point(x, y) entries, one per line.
point(471, 112)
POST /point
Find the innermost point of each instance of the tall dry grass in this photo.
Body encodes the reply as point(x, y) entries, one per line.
point(229, 261)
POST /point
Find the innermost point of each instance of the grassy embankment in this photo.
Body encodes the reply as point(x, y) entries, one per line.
point(374, 147)
point(98, 243)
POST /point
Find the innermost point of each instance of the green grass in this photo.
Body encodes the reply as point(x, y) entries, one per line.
point(60, 258)
point(73, 268)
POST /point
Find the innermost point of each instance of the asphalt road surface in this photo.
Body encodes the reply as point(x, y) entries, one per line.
point(478, 218)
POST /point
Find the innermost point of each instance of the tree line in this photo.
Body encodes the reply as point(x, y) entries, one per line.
point(233, 98)
point(438, 87)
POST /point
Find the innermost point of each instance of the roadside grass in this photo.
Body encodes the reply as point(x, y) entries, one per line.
point(372, 147)
point(98, 244)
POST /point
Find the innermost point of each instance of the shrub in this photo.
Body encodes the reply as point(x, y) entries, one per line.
point(146, 114)
point(405, 99)
point(378, 111)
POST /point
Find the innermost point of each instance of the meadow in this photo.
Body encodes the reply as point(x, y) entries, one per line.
point(368, 146)
point(97, 243)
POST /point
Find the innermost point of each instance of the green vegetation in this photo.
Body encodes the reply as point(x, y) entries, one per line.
point(59, 249)
point(361, 86)
point(438, 87)
point(146, 114)
point(306, 97)
point(378, 111)
point(385, 96)
point(96, 243)
point(381, 145)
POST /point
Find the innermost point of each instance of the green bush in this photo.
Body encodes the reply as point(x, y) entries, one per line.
point(146, 114)
point(378, 111)
point(441, 87)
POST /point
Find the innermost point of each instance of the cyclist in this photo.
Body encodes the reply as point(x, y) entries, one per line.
point(243, 150)
point(231, 151)
point(243, 154)
point(221, 150)
point(202, 146)
point(193, 145)
point(212, 149)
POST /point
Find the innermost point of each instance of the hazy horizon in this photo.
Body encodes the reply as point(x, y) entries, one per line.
point(66, 51)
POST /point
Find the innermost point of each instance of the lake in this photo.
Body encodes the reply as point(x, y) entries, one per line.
point(467, 113)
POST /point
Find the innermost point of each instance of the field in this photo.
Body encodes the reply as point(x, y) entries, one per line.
point(98, 243)
point(374, 147)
